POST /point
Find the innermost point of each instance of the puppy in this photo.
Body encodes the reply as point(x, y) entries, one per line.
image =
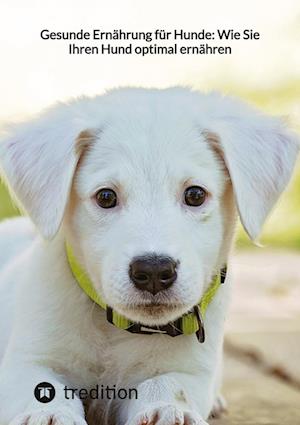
point(134, 197)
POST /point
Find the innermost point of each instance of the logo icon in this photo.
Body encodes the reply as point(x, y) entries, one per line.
point(44, 392)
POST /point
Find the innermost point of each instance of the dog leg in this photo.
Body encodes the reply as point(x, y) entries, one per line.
point(169, 399)
point(219, 407)
point(19, 406)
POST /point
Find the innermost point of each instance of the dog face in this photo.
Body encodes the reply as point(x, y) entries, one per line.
point(149, 213)
point(150, 206)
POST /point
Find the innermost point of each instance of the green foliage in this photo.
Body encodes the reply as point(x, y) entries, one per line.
point(7, 208)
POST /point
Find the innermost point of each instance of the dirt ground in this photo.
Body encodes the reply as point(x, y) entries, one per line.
point(262, 346)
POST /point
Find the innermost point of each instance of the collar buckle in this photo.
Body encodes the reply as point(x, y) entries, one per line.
point(171, 329)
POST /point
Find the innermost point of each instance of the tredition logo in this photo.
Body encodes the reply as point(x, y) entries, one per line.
point(44, 392)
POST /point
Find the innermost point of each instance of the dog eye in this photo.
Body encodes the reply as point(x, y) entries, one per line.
point(195, 196)
point(106, 198)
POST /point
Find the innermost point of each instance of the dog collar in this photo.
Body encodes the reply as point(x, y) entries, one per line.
point(188, 324)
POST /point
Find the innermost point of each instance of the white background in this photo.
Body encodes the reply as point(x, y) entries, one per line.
point(36, 73)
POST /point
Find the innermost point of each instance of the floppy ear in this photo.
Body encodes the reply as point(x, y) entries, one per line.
point(39, 158)
point(259, 153)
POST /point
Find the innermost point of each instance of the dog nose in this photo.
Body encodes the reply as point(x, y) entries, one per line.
point(153, 273)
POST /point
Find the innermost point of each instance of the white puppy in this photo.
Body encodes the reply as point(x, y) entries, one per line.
point(143, 186)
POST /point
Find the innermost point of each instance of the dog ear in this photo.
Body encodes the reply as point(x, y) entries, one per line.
point(259, 153)
point(39, 158)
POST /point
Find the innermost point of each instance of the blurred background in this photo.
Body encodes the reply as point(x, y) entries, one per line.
point(263, 331)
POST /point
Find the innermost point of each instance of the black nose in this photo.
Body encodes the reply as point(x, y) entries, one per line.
point(153, 273)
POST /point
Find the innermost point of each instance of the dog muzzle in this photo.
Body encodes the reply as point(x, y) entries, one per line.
point(192, 322)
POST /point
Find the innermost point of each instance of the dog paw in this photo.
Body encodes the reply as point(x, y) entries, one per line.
point(166, 414)
point(45, 417)
point(219, 407)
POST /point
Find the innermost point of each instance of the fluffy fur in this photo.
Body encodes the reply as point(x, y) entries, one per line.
point(148, 145)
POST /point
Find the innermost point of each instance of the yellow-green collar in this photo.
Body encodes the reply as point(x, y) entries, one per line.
point(190, 323)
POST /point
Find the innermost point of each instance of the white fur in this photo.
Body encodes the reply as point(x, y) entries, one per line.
point(149, 145)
